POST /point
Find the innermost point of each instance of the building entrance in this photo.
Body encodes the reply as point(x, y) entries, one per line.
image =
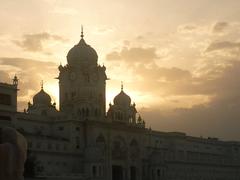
point(117, 172)
point(133, 173)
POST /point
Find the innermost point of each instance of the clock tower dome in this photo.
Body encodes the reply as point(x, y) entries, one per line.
point(82, 83)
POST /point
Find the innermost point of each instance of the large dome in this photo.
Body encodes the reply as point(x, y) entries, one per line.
point(122, 99)
point(82, 53)
point(42, 98)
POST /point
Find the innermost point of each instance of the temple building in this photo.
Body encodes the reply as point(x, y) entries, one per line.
point(83, 140)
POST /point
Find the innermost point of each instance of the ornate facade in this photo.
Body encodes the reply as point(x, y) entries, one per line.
point(83, 141)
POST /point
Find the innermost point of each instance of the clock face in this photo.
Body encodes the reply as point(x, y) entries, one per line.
point(72, 75)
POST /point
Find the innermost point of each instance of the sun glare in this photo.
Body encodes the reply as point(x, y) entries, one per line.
point(53, 90)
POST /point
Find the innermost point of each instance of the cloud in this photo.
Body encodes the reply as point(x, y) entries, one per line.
point(4, 77)
point(216, 119)
point(30, 73)
point(162, 73)
point(187, 28)
point(223, 45)
point(219, 117)
point(34, 42)
point(219, 27)
point(133, 55)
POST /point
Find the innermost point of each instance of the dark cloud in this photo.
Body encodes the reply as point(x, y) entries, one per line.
point(221, 45)
point(134, 55)
point(26, 64)
point(218, 118)
point(34, 42)
point(140, 37)
point(220, 27)
point(30, 73)
point(161, 73)
point(221, 81)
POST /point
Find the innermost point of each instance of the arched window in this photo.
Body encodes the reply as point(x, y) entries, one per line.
point(79, 112)
point(100, 140)
point(87, 112)
point(94, 171)
point(77, 142)
point(96, 112)
point(87, 78)
point(118, 115)
point(121, 116)
point(83, 112)
point(134, 149)
point(119, 148)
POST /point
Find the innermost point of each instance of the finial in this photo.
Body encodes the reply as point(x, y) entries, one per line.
point(42, 84)
point(121, 86)
point(15, 80)
point(82, 32)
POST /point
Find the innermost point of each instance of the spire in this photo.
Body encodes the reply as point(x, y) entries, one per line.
point(42, 84)
point(121, 86)
point(82, 32)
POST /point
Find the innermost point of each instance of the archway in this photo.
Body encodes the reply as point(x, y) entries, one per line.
point(133, 173)
point(117, 172)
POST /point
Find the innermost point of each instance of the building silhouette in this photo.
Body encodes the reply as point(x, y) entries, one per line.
point(85, 141)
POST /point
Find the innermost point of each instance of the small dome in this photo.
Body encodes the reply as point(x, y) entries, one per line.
point(122, 99)
point(82, 53)
point(42, 98)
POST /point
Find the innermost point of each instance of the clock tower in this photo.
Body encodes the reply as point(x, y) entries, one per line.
point(82, 83)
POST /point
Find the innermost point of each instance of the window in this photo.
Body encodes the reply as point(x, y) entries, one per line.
point(30, 144)
point(5, 99)
point(44, 112)
point(73, 94)
point(57, 146)
point(158, 173)
point(143, 171)
point(94, 171)
point(100, 170)
point(60, 128)
point(39, 145)
point(49, 146)
point(77, 128)
point(65, 147)
point(6, 118)
point(87, 112)
point(87, 78)
point(156, 143)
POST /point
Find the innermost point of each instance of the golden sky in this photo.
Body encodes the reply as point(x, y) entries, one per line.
point(178, 59)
